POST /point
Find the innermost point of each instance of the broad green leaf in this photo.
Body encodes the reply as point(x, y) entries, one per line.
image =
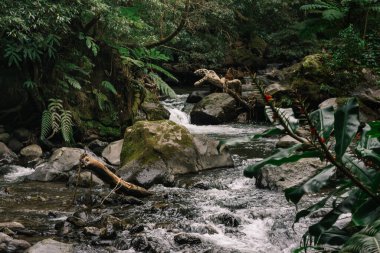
point(358, 170)
point(323, 121)
point(366, 213)
point(346, 126)
point(320, 204)
point(288, 155)
point(330, 218)
point(334, 236)
point(368, 154)
point(312, 185)
point(370, 137)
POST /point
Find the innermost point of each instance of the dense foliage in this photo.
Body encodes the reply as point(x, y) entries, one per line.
point(349, 180)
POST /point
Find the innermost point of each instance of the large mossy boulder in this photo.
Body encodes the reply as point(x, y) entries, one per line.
point(214, 109)
point(157, 151)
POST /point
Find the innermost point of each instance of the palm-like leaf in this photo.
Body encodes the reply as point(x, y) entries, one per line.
point(365, 241)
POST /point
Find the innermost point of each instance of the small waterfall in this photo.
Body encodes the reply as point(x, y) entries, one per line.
point(179, 116)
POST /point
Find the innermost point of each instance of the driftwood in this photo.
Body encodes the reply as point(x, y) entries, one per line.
point(115, 182)
point(231, 87)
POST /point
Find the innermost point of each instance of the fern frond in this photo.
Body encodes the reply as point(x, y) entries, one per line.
point(161, 70)
point(66, 126)
point(163, 86)
point(46, 124)
point(109, 86)
point(73, 82)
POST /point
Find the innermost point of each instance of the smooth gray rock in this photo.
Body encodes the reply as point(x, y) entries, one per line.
point(287, 175)
point(112, 152)
point(216, 108)
point(51, 246)
point(59, 165)
point(286, 142)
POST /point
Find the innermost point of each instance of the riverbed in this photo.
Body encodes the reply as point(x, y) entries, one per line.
point(220, 207)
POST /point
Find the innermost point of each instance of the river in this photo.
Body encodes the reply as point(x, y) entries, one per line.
point(221, 207)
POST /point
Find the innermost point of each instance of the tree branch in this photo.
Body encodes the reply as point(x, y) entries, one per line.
point(170, 36)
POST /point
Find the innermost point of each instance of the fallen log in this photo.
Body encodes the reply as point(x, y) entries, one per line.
point(227, 86)
point(115, 182)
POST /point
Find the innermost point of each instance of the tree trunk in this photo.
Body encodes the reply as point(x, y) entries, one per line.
point(115, 182)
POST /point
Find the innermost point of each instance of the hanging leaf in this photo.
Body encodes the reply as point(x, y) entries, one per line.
point(288, 155)
point(367, 212)
point(323, 121)
point(321, 227)
point(312, 185)
point(346, 126)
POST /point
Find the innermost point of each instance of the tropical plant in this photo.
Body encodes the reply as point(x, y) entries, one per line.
point(56, 119)
point(350, 179)
point(145, 60)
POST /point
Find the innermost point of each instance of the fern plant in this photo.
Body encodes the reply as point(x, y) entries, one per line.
point(56, 119)
point(145, 60)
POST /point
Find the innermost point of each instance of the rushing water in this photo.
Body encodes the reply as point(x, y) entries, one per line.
point(221, 207)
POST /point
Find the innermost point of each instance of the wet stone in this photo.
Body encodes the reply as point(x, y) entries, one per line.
point(185, 238)
point(140, 243)
point(92, 231)
point(51, 246)
point(226, 219)
point(78, 222)
point(138, 228)
point(117, 199)
point(63, 228)
point(122, 243)
point(10, 245)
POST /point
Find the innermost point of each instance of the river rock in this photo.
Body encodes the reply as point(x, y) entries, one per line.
point(287, 175)
point(216, 108)
point(185, 238)
point(31, 151)
point(6, 155)
point(15, 145)
point(97, 146)
point(155, 152)
point(85, 180)
point(112, 152)
point(59, 165)
point(5, 137)
point(154, 110)
point(11, 225)
point(10, 245)
point(226, 219)
point(286, 142)
point(197, 96)
point(51, 246)
point(329, 102)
